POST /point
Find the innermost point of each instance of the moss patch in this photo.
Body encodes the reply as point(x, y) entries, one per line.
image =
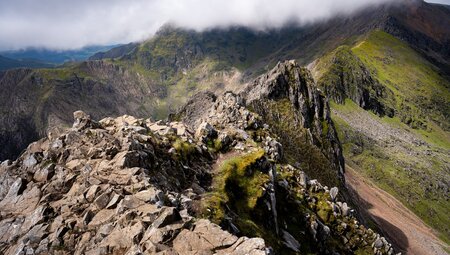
point(184, 149)
point(238, 183)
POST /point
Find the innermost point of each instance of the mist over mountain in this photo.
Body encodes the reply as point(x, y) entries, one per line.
point(68, 25)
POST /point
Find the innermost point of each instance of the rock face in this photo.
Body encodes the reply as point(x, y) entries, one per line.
point(218, 185)
point(290, 81)
point(37, 102)
point(287, 99)
point(347, 77)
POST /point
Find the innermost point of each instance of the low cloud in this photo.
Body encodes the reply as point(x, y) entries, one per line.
point(68, 24)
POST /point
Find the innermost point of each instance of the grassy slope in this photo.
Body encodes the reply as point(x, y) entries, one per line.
point(421, 99)
point(421, 94)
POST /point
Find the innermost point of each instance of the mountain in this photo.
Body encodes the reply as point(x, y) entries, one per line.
point(115, 52)
point(169, 68)
point(384, 71)
point(8, 63)
point(52, 57)
point(128, 185)
point(402, 139)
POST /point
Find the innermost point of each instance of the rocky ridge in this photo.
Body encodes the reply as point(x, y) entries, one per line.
point(111, 187)
point(133, 186)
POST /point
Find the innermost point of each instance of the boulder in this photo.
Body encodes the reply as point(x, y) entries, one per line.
point(168, 216)
point(333, 193)
point(83, 121)
point(205, 132)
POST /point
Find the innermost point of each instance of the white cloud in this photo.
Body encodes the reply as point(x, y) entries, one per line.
point(66, 24)
point(439, 1)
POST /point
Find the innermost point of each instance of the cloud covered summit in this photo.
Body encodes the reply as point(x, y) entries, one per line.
point(66, 24)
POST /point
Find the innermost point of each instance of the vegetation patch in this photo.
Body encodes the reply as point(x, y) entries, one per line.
point(284, 122)
point(421, 94)
point(184, 149)
point(414, 174)
point(237, 184)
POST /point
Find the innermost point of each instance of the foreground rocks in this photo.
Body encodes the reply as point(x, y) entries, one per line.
point(109, 187)
point(218, 184)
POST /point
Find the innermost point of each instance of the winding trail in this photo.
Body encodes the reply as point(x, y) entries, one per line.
point(401, 226)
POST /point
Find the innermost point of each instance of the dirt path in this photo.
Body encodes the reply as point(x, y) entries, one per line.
point(222, 158)
point(403, 228)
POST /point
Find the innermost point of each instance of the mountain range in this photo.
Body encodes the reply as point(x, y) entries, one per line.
point(373, 102)
point(43, 58)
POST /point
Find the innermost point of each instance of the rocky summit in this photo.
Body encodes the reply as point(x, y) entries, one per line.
point(213, 179)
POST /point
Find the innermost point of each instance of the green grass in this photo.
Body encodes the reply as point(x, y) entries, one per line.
point(421, 95)
point(237, 183)
point(404, 175)
point(184, 149)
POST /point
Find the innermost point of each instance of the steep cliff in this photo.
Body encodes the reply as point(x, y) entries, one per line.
point(35, 102)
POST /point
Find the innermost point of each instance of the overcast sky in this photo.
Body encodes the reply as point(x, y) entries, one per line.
point(68, 24)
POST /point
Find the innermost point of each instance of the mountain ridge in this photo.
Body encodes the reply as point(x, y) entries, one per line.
point(132, 185)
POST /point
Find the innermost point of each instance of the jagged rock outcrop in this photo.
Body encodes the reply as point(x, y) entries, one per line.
point(287, 99)
point(118, 186)
point(343, 75)
point(290, 81)
point(132, 186)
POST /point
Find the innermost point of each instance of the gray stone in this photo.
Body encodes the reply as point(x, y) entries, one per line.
point(30, 161)
point(168, 216)
point(290, 241)
point(333, 193)
point(102, 200)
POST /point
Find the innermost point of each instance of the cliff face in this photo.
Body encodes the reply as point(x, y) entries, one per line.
point(126, 185)
point(18, 128)
point(287, 100)
point(35, 102)
point(287, 97)
point(342, 75)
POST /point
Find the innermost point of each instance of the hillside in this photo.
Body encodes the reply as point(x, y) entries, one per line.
point(9, 63)
point(392, 112)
